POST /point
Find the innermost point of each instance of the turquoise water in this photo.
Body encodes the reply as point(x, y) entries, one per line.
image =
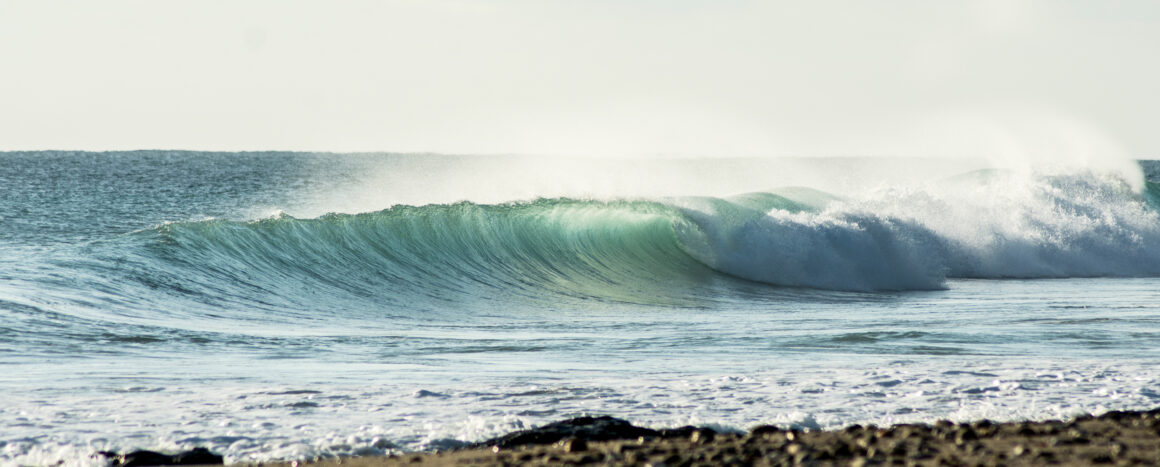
point(285, 306)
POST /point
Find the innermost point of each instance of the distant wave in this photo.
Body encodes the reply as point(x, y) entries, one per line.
point(981, 225)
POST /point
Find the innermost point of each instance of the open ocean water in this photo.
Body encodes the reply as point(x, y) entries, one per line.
point(290, 306)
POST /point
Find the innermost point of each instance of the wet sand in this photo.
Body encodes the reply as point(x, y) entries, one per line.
point(1114, 438)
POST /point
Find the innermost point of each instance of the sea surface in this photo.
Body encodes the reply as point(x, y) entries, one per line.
point(294, 306)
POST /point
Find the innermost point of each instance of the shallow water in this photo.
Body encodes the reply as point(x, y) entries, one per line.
point(167, 300)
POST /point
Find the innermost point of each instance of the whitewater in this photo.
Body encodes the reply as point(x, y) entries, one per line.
point(294, 306)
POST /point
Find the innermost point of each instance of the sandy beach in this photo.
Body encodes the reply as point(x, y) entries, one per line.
point(1113, 438)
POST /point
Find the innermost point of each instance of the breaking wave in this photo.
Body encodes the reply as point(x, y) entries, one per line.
point(981, 225)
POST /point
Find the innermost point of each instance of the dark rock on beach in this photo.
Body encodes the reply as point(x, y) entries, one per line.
point(195, 456)
point(591, 429)
point(582, 428)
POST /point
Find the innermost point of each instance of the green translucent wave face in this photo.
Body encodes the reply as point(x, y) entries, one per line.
point(547, 250)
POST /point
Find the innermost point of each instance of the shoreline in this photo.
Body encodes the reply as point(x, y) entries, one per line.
point(1112, 438)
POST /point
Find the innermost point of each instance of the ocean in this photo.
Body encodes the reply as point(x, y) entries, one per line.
point(296, 305)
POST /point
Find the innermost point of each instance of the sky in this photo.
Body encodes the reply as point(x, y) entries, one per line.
point(1052, 78)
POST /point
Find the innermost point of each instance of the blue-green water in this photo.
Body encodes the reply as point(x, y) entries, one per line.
point(282, 306)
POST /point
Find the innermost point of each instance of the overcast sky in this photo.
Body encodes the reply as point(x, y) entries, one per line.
point(602, 77)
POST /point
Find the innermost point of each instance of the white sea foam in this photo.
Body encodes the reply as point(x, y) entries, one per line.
point(247, 424)
point(990, 224)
